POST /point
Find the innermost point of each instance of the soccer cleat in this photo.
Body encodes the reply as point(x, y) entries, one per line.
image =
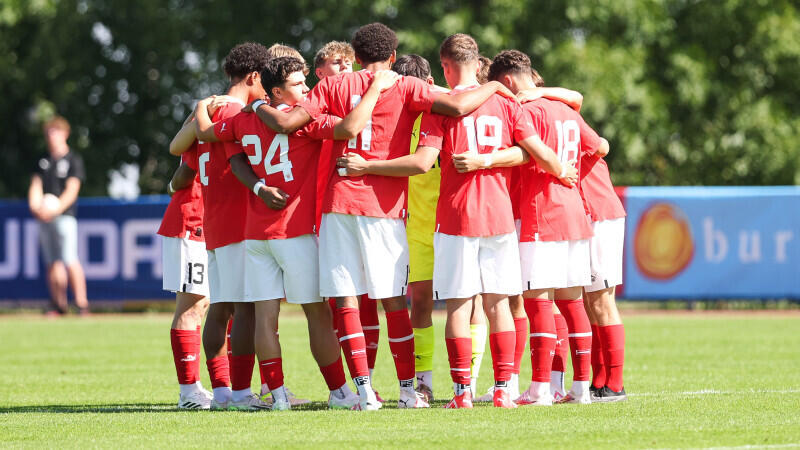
point(293, 400)
point(502, 399)
point(220, 406)
point(281, 405)
point(378, 397)
point(571, 397)
point(460, 401)
point(407, 400)
point(532, 397)
point(367, 405)
point(593, 391)
point(557, 396)
point(195, 400)
point(426, 392)
point(249, 403)
point(606, 395)
point(487, 397)
point(347, 401)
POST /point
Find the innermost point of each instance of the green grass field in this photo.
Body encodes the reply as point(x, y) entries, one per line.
point(721, 380)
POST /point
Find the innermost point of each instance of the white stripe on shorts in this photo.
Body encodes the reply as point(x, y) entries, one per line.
point(351, 336)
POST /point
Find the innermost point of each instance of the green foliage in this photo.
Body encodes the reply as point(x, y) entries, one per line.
point(686, 92)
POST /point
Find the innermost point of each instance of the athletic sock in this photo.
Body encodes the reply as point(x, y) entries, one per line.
point(352, 342)
point(242, 371)
point(401, 343)
point(219, 371)
point(521, 330)
point(334, 375)
point(368, 313)
point(562, 344)
point(222, 394)
point(478, 333)
point(502, 347)
point(423, 350)
point(580, 337)
point(198, 347)
point(557, 383)
point(598, 362)
point(228, 341)
point(542, 338)
point(613, 339)
point(334, 316)
point(273, 372)
point(185, 354)
point(459, 352)
point(241, 394)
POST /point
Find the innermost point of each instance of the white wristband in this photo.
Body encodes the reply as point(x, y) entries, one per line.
point(487, 160)
point(257, 104)
point(170, 189)
point(257, 187)
point(342, 171)
point(563, 171)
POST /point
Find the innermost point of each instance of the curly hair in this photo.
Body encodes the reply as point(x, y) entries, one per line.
point(245, 58)
point(374, 43)
point(510, 62)
point(413, 66)
point(460, 48)
point(277, 70)
point(331, 49)
point(483, 72)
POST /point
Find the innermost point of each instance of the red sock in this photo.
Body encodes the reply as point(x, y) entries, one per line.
point(562, 344)
point(273, 372)
point(228, 341)
point(368, 311)
point(352, 341)
point(186, 355)
point(521, 330)
point(598, 362)
point(334, 374)
point(198, 347)
point(262, 372)
point(502, 346)
point(242, 371)
point(459, 352)
point(335, 316)
point(580, 337)
point(613, 339)
point(219, 371)
point(543, 337)
point(401, 342)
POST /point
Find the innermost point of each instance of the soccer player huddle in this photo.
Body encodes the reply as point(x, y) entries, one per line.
point(377, 185)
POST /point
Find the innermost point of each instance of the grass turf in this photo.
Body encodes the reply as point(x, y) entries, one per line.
point(694, 380)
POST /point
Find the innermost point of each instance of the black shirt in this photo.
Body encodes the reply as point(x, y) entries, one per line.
point(54, 173)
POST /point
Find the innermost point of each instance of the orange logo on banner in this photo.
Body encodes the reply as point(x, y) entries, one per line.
point(663, 245)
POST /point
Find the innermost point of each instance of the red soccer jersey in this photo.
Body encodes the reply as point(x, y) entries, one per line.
point(288, 162)
point(384, 137)
point(515, 188)
point(601, 202)
point(224, 197)
point(185, 210)
point(551, 211)
point(475, 203)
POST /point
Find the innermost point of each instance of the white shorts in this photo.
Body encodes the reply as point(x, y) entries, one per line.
point(282, 268)
point(226, 273)
point(185, 264)
point(59, 240)
point(362, 255)
point(464, 266)
point(605, 250)
point(554, 264)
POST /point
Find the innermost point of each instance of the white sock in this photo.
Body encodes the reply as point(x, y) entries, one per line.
point(222, 394)
point(540, 390)
point(340, 393)
point(364, 388)
point(264, 388)
point(199, 385)
point(459, 389)
point(473, 383)
point(240, 395)
point(279, 394)
point(513, 386)
point(188, 389)
point(580, 388)
point(370, 372)
point(557, 383)
point(426, 378)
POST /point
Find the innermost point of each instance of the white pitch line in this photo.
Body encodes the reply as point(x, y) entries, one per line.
point(713, 392)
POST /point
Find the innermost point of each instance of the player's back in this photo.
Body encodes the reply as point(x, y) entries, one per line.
point(185, 209)
point(600, 199)
point(555, 212)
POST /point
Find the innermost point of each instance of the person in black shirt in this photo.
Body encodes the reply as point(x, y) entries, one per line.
point(54, 188)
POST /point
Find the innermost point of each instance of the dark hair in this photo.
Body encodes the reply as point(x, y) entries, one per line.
point(413, 66)
point(374, 43)
point(277, 70)
point(483, 72)
point(460, 48)
point(245, 58)
point(538, 81)
point(509, 61)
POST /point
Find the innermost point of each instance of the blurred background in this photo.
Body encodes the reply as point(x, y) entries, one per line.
point(687, 92)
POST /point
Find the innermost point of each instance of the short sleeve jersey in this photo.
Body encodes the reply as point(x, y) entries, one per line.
point(601, 202)
point(184, 214)
point(55, 172)
point(384, 137)
point(551, 211)
point(288, 162)
point(475, 203)
point(224, 197)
